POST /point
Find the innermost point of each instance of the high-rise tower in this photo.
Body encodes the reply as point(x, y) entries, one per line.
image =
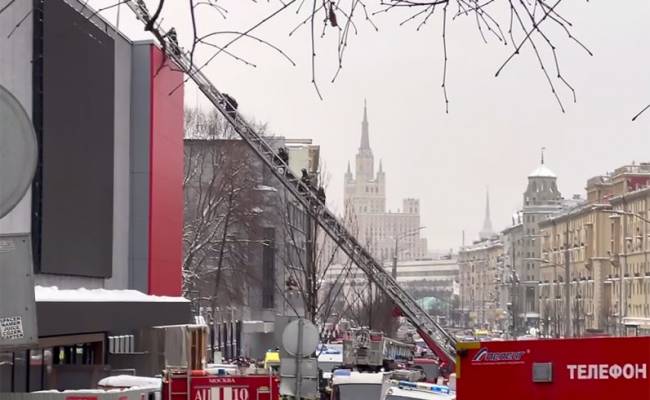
point(365, 160)
point(487, 231)
point(365, 207)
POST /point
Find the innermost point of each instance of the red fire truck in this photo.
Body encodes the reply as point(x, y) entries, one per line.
point(556, 369)
point(200, 386)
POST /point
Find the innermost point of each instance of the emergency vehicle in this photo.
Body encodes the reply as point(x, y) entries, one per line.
point(402, 390)
point(371, 350)
point(593, 368)
point(354, 385)
point(188, 377)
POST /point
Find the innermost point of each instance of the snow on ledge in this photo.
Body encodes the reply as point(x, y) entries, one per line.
point(130, 381)
point(54, 294)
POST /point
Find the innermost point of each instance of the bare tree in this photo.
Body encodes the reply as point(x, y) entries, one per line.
point(309, 254)
point(220, 207)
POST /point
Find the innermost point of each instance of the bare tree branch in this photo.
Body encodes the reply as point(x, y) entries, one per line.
point(640, 112)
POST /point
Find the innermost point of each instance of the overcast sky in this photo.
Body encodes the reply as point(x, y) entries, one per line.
point(495, 127)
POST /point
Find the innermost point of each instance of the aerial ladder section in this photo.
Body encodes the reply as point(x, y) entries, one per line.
point(437, 339)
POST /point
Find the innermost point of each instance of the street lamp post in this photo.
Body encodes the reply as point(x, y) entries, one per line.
point(510, 278)
point(397, 238)
point(513, 299)
point(567, 292)
point(567, 284)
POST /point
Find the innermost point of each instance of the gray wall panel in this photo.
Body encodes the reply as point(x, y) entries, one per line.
point(140, 145)
point(58, 318)
point(122, 156)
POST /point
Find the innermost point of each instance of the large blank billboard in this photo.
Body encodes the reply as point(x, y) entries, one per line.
point(77, 138)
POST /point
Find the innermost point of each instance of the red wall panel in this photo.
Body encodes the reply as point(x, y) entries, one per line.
point(166, 178)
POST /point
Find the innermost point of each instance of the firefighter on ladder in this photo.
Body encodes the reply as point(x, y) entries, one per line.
point(230, 104)
point(173, 40)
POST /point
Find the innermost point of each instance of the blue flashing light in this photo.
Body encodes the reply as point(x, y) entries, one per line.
point(342, 372)
point(440, 389)
point(424, 386)
point(408, 384)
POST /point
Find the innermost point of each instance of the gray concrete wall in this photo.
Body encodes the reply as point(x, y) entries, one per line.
point(16, 76)
point(121, 165)
point(139, 167)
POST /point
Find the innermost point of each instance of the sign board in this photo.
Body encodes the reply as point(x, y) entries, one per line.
point(308, 367)
point(18, 152)
point(600, 368)
point(294, 342)
point(308, 381)
point(308, 377)
point(299, 374)
point(308, 388)
point(17, 303)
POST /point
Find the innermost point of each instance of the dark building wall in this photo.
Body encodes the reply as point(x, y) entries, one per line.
point(77, 139)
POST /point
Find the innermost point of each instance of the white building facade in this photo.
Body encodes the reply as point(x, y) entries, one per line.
point(419, 276)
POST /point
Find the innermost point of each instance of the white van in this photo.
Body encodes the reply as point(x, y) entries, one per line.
point(352, 385)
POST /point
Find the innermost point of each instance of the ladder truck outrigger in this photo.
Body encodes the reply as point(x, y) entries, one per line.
point(441, 342)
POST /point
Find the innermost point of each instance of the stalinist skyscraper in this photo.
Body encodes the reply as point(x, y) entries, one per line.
point(365, 209)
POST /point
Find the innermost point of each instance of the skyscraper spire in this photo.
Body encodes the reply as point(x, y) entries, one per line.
point(487, 231)
point(349, 172)
point(365, 140)
point(543, 148)
point(381, 167)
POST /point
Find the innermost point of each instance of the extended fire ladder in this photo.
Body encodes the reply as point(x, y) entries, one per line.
point(436, 338)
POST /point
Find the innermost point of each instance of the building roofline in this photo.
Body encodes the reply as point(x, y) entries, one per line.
point(512, 228)
point(482, 245)
point(630, 195)
point(573, 212)
point(88, 11)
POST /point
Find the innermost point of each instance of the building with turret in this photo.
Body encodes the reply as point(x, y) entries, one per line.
point(385, 234)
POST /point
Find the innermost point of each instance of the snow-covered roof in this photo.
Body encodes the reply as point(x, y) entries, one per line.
point(54, 294)
point(542, 171)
